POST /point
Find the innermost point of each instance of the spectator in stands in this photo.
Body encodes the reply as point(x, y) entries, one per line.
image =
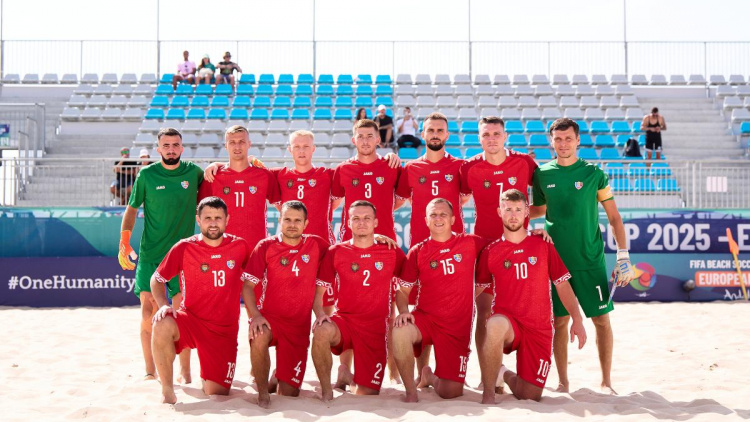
point(145, 157)
point(361, 114)
point(226, 70)
point(653, 124)
point(385, 124)
point(125, 171)
point(206, 70)
point(407, 129)
point(185, 71)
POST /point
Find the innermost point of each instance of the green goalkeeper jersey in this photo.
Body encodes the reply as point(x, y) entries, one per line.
point(169, 198)
point(572, 195)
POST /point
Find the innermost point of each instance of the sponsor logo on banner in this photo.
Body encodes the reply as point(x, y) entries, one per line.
point(512, 181)
point(720, 279)
point(184, 184)
point(448, 177)
point(252, 189)
point(226, 190)
point(204, 267)
point(230, 264)
point(457, 257)
point(312, 183)
point(579, 185)
point(532, 260)
point(380, 180)
point(305, 258)
point(378, 265)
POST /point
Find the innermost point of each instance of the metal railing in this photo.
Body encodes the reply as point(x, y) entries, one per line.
point(382, 57)
point(87, 182)
point(26, 127)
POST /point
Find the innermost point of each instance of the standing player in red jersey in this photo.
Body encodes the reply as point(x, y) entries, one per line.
point(286, 266)
point(486, 176)
point(367, 177)
point(363, 273)
point(442, 268)
point(211, 267)
point(520, 268)
point(244, 188)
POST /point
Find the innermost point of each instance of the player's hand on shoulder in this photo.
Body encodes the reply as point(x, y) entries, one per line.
point(320, 321)
point(256, 326)
point(163, 312)
point(392, 244)
point(393, 160)
point(544, 234)
point(255, 162)
point(577, 330)
point(403, 320)
point(211, 170)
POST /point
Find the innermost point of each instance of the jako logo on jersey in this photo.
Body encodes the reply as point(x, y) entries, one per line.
point(517, 251)
point(448, 177)
point(367, 255)
point(498, 172)
point(305, 258)
point(378, 265)
point(312, 183)
point(215, 256)
point(160, 187)
point(457, 257)
point(367, 173)
point(380, 180)
point(444, 250)
point(435, 172)
point(550, 186)
point(579, 185)
point(512, 180)
point(253, 189)
point(532, 260)
point(230, 264)
point(239, 182)
point(184, 184)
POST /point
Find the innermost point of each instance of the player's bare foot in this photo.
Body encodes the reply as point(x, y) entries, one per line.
point(344, 378)
point(410, 397)
point(326, 396)
point(273, 383)
point(168, 397)
point(607, 389)
point(426, 378)
point(499, 390)
point(395, 378)
point(488, 397)
point(149, 377)
point(185, 378)
point(264, 400)
point(562, 388)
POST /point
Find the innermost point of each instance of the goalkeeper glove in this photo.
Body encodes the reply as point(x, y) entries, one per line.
point(126, 254)
point(624, 272)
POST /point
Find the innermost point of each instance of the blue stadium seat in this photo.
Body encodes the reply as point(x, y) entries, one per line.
point(610, 154)
point(637, 170)
point(586, 141)
point(516, 140)
point(241, 102)
point(344, 90)
point(183, 89)
point(304, 90)
point(286, 79)
point(535, 126)
point(223, 89)
point(452, 126)
point(470, 126)
point(614, 170)
point(667, 185)
point(383, 80)
point(583, 127)
point(325, 79)
point(343, 114)
point(166, 78)
point(384, 90)
point(621, 184)
point(604, 141)
point(386, 101)
point(196, 114)
point(284, 90)
point(216, 114)
point(164, 90)
point(364, 90)
point(266, 90)
point(453, 141)
point(262, 102)
point(323, 102)
point(247, 79)
point(471, 140)
point(365, 102)
point(660, 169)
point(514, 126)
point(745, 128)
point(305, 79)
point(279, 114)
point(259, 114)
point(599, 127)
point(302, 102)
point(201, 101)
point(521, 150)
point(637, 127)
point(266, 79)
point(300, 114)
point(620, 127)
point(204, 90)
point(543, 154)
point(245, 90)
point(324, 90)
point(408, 153)
point(456, 152)
point(622, 140)
point(322, 114)
point(344, 102)
point(161, 101)
point(364, 79)
point(344, 79)
point(538, 140)
point(470, 152)
point(642, 140)
point(588, 154)
point(154, 114)
point(175, 114)
point(220, 102)
point(239, 114)
point(644, 185)
point(282, 102)
point(180, 101)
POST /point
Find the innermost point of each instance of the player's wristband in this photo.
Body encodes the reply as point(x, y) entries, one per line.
point(623, 254)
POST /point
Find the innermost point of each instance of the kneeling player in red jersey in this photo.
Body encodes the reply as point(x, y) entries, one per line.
point(520, 268)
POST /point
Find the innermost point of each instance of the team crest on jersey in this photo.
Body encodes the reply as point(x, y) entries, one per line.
point(312, 183)
point(378, 265)
point(512, 181)
point(184, 184)
point(579, 185)
point(230, 264)
point(355, 182)
point(506, 264)
point(355, 267)
point(380, 180)
point(448, 177)
point(252, 189)
point(284, 261)
point(289, 183)
point(457, 257)
point(433, 264)
point(532, 260)
point(422, 179)
point(305, 258)
point(487, 184)
point(204, 267)
point(226, 190)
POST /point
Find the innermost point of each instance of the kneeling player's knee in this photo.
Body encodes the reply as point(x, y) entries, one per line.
point(402, 336)
point(324, 333)
point(164, 330)
point(529, 393)
point(498, 326)
point(261, 340)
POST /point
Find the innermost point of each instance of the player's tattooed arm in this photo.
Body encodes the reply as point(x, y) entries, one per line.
point(393, 160)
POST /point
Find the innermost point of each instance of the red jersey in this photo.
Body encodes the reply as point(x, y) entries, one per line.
point(210, 278)
point(444, 274)
point(288, 276)
point(245, 194)
point(312, 188)
point(363, 278)
point(520, 274)
point(375, 182)
point(487, 181)
point(422, 181)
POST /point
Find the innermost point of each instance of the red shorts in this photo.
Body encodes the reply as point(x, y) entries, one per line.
point(292, 342)
point(217, 349)
point(451, 351)
point(369, 343)
point(533, 349)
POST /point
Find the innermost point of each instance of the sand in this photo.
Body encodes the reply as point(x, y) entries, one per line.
point(672, 362)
